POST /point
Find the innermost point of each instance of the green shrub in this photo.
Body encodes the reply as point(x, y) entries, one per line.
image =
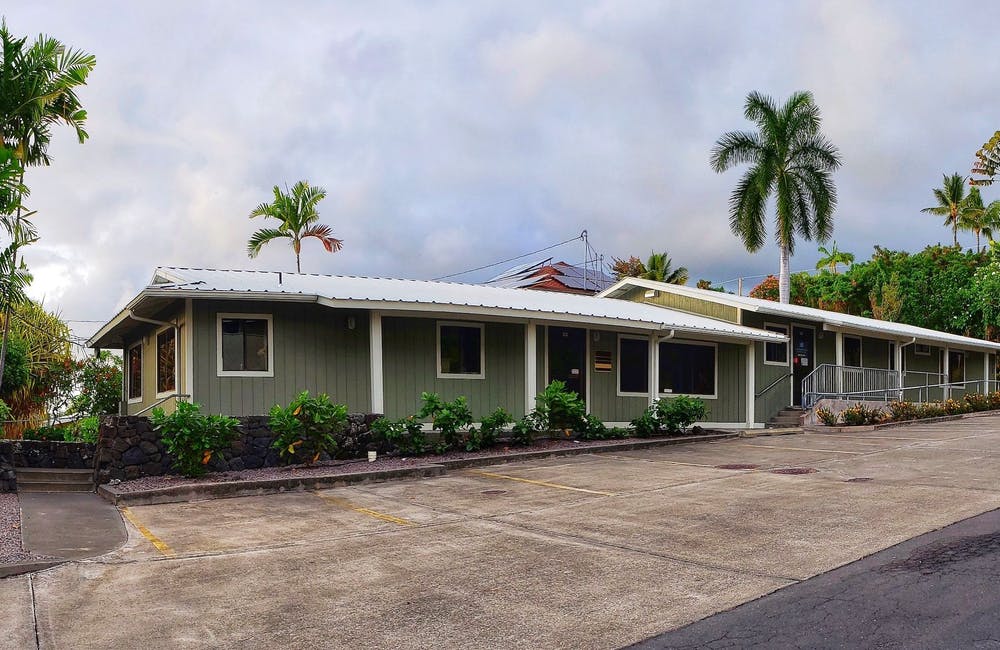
point(523, 431)
point(827, 417)
point(307, 428)
point(617, 433)
point(489, 429)
point(594, 429)
point(191, 438)
point(902, 411)
point(83, 430)
point(994, 399)
point(46, 433)
point(559, 408)
point(669, 415)
point(955, 407)
point(447, 418)
point(405, 436)
point(977, 402)
point(932, 410)
point(859, 414)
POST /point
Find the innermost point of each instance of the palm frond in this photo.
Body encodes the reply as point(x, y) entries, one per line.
point(263, 236)
point(324, 233)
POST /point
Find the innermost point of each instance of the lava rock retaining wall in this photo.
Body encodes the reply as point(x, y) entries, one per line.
point(128, 447)
point(42, 453)
point(8, 483)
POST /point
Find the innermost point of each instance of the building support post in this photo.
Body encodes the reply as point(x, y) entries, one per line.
point(897, 352)
point(839, 340)
point(947, 374)
point(375, 354)
point(654, 370)
point(751, 382)
point(530, 366)
point(986, 372)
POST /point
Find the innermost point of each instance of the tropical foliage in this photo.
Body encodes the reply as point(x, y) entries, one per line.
point(192, 438)
point(788, 159)
point(987, 161)
point(658, 266)
point(831, 257)
point(297, 216)
point(951, 200)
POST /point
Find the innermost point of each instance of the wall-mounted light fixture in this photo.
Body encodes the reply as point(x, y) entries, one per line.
point(351, 322)
point(651, 293)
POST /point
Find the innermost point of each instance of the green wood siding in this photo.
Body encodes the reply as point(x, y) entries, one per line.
point(149, 363)
point(409, 352)
point(730, 405)
point(685, 303)
point(605, 402)
point(778, 396)
point(314, 350)
point(874, 353)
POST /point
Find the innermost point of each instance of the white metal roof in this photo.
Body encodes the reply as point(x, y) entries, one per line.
point(835, 320)
point(394, 295)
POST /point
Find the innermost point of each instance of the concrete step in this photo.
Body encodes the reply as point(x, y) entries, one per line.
point(48, 479)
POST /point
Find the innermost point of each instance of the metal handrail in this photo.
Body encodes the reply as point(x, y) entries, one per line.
point(899, 392)
point(161, 401)
point(773, 384)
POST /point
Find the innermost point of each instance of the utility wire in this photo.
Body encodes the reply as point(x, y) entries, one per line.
point(509, 259)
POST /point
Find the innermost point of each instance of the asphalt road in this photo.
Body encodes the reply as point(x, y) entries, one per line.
point(938, 590)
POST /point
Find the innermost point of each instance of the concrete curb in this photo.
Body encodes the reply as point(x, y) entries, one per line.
point(10, 570)
point(222, 490)
point(785, 431)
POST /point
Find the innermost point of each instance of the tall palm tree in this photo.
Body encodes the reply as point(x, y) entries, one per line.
point(659, 267)
point(297, 214)
point(790, 159)
point(832, 257)
point(38, 83)
point(950, 197)
point(979, 218)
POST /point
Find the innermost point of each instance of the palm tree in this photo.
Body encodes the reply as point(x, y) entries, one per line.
point(832, 257)
point(980, 219)
point(658, 267)
point(38, 83)
point(950, 197)
point(296, 210)
point(790, 159)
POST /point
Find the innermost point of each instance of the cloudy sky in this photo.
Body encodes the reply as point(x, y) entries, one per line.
point(453, 134)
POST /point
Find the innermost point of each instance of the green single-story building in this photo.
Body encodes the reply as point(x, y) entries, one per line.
point(239, 342)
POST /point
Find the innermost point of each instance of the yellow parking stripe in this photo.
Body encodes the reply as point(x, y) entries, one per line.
point(541, 483)
point(160, 545)
point(344, 503)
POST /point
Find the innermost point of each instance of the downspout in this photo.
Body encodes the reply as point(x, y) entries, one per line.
point(900, 358)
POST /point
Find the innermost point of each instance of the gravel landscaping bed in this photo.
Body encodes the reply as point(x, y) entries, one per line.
point(332, 468)
point(10, 533)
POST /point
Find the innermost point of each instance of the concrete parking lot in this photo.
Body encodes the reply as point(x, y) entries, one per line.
point(590, 551)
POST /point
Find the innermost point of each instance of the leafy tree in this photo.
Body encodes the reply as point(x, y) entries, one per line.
point(951, 199)
point(790, 159)
point(38, 83)
point(297, 214)
point(832, 257)
point(98, 385)
point(627, 268)
point(987, 161)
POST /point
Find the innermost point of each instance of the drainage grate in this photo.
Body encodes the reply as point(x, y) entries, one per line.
point(794, 470)
point(737, 466)
point(860, 479)
point(494, 492)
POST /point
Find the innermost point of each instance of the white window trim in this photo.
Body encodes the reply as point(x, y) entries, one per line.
point(715, 375)
point(787, 344)
point(918, 353)
point(177, 367)
point(482, 350)
point(618, 374)
point(128, 373)
point(861, 351)
point(218, 346)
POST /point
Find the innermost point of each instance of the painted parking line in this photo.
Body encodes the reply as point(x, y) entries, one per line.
point(540, 483)
point(347, 505)
point(160, 545)
point(827, 451)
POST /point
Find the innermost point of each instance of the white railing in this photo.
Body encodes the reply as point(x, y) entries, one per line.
point(830, 381)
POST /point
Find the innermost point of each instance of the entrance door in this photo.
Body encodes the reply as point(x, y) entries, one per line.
point(803, 359)
point(568, 357)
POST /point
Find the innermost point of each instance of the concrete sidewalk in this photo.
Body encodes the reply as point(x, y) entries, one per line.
point(69, 526)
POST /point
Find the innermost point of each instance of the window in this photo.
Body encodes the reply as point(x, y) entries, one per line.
point(922, 350)
point(776, 354)
point(852, 351)
point(245, 345)
point(460, 351)
point(892, 356)
point(166, 361)
point(633, 366)
point(687, 368)
point(134, 376)
point(956, 367)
